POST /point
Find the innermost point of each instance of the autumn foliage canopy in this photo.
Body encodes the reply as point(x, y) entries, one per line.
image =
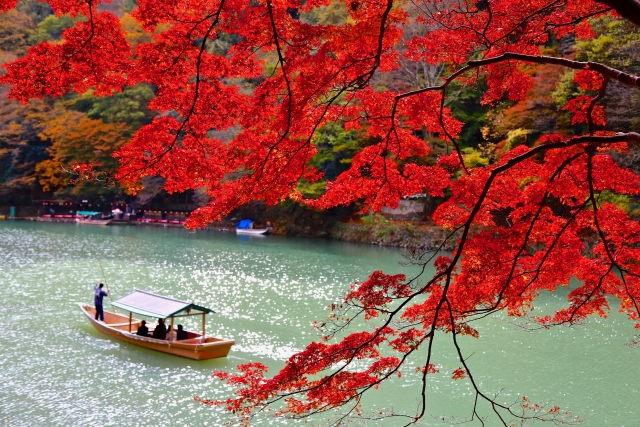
point(528, 222)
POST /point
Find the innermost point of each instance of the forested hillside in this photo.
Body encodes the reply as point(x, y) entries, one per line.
point(41, 139)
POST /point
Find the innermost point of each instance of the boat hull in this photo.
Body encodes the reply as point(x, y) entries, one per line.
point(93, 221)
point(252, 231)
point(117, 326)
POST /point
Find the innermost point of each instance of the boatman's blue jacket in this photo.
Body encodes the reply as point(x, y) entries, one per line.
point(99, 294)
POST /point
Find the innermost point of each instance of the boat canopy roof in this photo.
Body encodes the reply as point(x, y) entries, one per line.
point(90, 213)
point(153, 305)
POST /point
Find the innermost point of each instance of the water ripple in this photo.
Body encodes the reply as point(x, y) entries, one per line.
point(56, 370)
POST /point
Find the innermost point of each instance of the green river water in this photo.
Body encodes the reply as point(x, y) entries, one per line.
point(56, 370)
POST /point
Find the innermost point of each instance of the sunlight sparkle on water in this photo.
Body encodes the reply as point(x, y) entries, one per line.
point(56, 370)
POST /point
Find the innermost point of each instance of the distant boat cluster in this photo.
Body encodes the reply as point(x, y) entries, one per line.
point(129, 215)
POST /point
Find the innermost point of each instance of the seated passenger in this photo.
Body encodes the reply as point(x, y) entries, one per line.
point(160, 331)
point(143, 331)
point(181, 335)
point(171, 334)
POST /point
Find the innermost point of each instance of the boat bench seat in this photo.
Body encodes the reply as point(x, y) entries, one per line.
point(116, 325)
point(199, 340)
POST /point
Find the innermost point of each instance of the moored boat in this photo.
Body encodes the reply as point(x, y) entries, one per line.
point(93, 221)
point(89, 217)
point(252, 231)
point(196, 346)
point(245, 226)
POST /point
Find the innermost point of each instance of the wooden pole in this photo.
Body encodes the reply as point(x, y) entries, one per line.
point(173, 331)
point(203, 314)
point(105, 281)
point(130, 315)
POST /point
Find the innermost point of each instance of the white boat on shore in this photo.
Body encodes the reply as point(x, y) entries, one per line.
point(252, 231)
point(196, 346)
point(245, 226)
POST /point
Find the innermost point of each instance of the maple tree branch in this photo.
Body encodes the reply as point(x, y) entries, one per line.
point(521, 22)
point(90, 39)
point(628, 9)
point(580, 19)
point(606, 71)
point(366, 77)
point(362, 390)
point(591, 199)
point(631, 137)
point(442, 88)
point(355, 351)
point(446, 131)
point(484, 193)
point(423, 391)
point(383, 24)
point(358, 82)
point(605, 243)
point(553, 244)
point(594, 101)
point(418, 256)
point(489, 20)
point(525, 242)
point(191, 110)
point(359, 391)
point(524, 245)
point(488, 183)
point(633, 298)
point(547, 25)
point(495, 406)
point(576, 309)
point(85, 44)
point(282, 61)
point(87, 172)
point(304, 144)
point(379, 330)
point(188, 42)
point(433, 15)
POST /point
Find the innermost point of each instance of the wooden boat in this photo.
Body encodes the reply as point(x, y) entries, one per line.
point(93, 221)
point(252, 231)
point(197, 346)
point(245, 226)
point(88, 217)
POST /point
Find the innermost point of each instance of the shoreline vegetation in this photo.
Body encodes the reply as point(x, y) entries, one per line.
point(402, 234)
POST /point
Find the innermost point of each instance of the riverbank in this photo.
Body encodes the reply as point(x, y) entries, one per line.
point(402, 234)
point(293, 220)
point(341, 224)
point(379, 232)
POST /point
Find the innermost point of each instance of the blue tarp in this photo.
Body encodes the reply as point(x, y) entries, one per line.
point(244, 224)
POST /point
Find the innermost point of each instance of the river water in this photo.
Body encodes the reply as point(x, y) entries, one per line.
point(56, 370)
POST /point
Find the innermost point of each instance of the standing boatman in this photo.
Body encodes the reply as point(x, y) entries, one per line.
point(97, 300)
